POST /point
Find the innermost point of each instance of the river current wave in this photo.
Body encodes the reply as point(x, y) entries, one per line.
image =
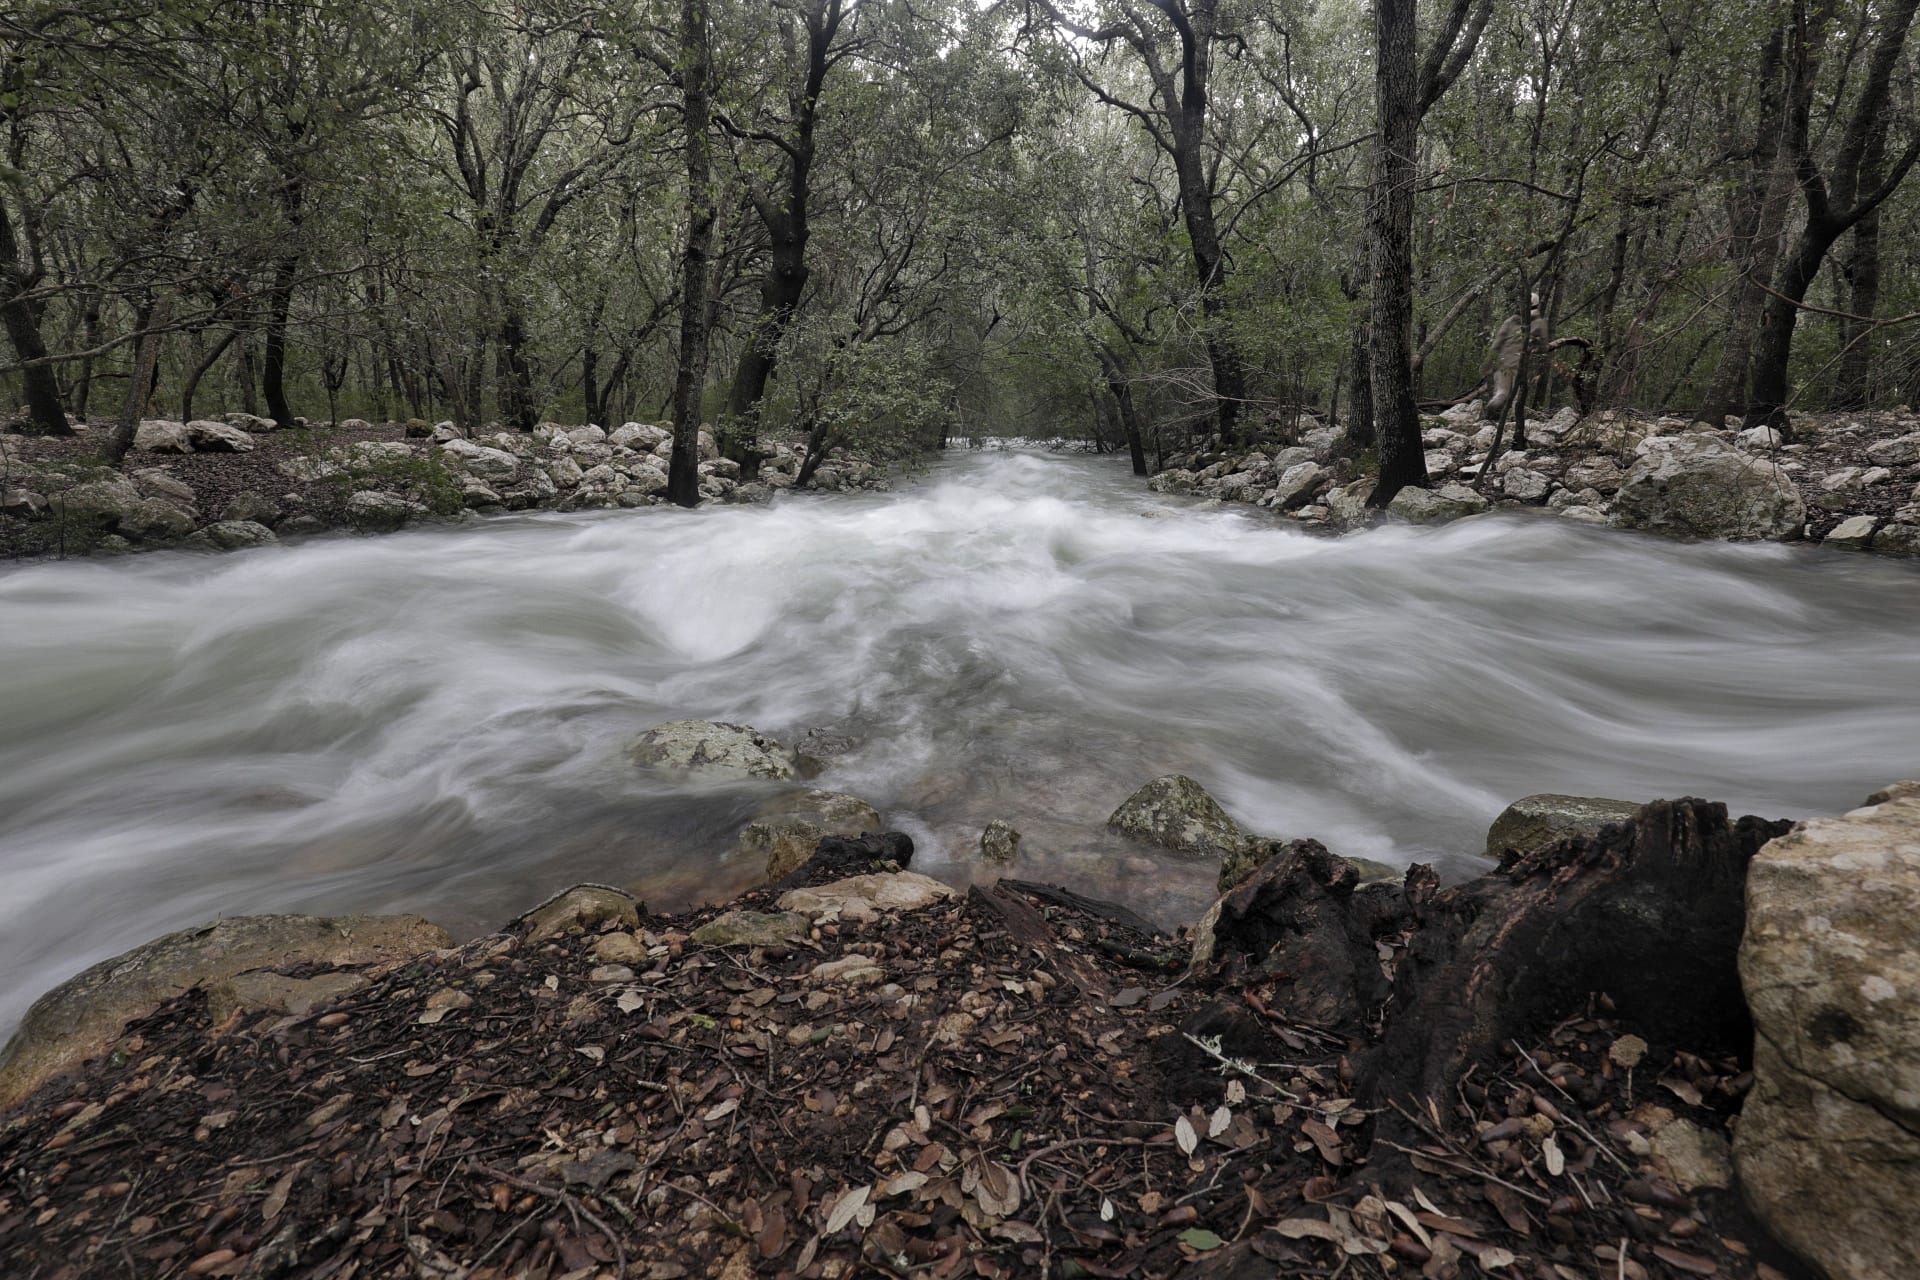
point(435, 721)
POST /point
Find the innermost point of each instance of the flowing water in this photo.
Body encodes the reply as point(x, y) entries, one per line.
point(435, 721)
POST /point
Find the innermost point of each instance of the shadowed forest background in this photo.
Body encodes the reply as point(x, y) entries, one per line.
point(890, 222)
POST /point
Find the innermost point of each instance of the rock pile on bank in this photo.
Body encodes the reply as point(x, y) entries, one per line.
point(240, 482)
point(1850, 481)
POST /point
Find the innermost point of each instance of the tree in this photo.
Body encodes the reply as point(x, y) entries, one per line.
point(1403, 95)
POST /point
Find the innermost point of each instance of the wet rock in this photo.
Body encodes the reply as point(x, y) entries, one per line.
point(1175, 812)
point(1534, 822)
point(584, 906)
point(1178, 480)
point(249, 505)
point(1433, 506)
point(1852, 534)
point(22, 502)
point(1593, 473)
point(753, 928)
point(721, 750)
point(1898, 540)
point(786, 832)
point(1697, 486)
point(376, 511)
point(862, 898)
point(82, 1016)
point(999, 842)
point(209, 436)
point(233, 535)
point(619, 948)
point(1828, 1147)
point(1297, 484)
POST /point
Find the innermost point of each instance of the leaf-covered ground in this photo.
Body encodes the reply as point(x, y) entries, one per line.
point(1006, 1084)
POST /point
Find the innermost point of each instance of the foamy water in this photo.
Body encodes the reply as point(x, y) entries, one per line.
point(434, 721)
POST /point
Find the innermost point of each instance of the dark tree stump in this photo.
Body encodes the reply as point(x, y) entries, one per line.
point(1649, 912)
point(837, 857)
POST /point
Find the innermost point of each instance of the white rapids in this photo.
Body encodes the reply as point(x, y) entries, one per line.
point(434, 721)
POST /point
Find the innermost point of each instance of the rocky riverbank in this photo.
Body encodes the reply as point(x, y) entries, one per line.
point(1848, 481)
point(858, 1070)
point(240, 481)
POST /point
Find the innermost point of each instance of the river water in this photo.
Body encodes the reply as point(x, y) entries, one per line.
point(434, 721)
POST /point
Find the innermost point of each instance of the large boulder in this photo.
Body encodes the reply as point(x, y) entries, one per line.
point(1176, 813)
point(1828, 1148)
point(716, 749)
point(233, 535)
point(83, 1016)
point(1697, 486)
point(1895, 452)
point(159, 435)
point(1433, 506)
point(374, 511)
point(785, 832)
point(208, 436)
point(1534, 822)
point(478, 460)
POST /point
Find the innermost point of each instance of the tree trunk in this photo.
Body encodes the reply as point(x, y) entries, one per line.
point(1210, 270)
point(1778, 320)
point(517, 407)
point(146, 359)
point(1122, 392)
point(690, 369)
point(192, 383)
point(273, 366)
point(1853, 385)
point(780, 292)
point(1390, 236)
point(47, 415)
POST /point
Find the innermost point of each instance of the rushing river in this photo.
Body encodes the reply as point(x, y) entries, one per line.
point(434, 721)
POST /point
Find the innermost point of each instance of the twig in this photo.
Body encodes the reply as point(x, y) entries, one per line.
point(1603, 1147)
point(1467, 1168)
point(571, 1202)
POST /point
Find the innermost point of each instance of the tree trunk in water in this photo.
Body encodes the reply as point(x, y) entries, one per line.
point(47, 415)
point(146, 359)
point(1390, 236)
point(1129, 416)
point(1648, 912)
point(690, 370)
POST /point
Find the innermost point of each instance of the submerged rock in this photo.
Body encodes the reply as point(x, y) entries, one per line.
point(1828, 1147)
point(1534, 822)
point(786, 832)
point(1175, 812)
point(82, 1016)
point(999, 842)
point(710, 747)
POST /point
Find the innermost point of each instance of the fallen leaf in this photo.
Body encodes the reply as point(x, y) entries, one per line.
point(1200, 1238)
point(1184, 1135)
point(847, 1208)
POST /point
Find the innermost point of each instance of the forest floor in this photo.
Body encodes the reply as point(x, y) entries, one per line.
point(1009, 1083)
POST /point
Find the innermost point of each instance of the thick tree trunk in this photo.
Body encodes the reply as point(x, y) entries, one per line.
point(780, 293)
point(1390, 236)
point(1210, 271)
point(1123, 407)
point(1778, 320)
point(47, 415)
point(515, 373)
point(1649, 912)
point(1853, 384)
point(690, 369)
